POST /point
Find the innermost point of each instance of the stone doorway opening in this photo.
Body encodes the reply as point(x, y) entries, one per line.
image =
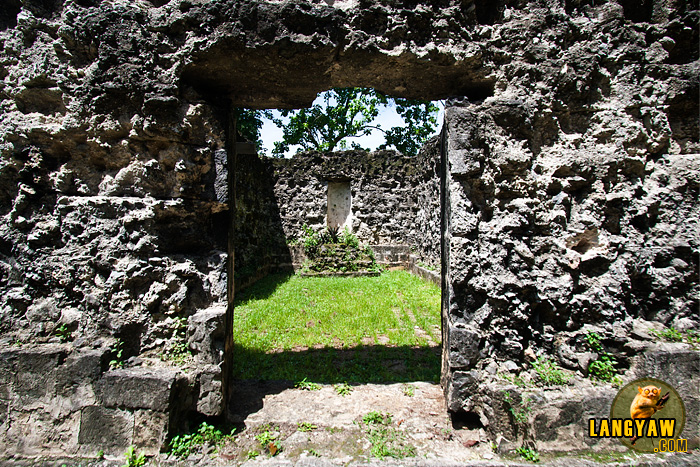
point(385, 198)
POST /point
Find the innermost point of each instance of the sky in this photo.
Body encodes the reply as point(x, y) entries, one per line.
point(387, 118)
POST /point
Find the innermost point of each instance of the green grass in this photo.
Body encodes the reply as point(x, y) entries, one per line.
point(337, 329)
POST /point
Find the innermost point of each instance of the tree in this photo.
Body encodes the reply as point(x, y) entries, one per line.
point(349, 113)
point(346, 113)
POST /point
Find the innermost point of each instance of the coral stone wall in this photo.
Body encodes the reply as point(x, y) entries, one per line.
point(570, 189)
point(384, 188)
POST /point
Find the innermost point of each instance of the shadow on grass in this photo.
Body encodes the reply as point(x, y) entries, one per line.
point(258, 374)
point(263, 288)
point(359, 365)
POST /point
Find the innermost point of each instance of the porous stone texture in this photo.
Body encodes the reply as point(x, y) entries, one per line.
point(395, 205)
point(384, 190)
point(569, 191)
point(572, 193)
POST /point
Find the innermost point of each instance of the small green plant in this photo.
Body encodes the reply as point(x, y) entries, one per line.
point(427, 266)
point(178, 351)
point(252, 454)
point(516, 380)
point(349, 239)
point(133, 459)
point(409, 390)
point(670, 334)
point(182, 446)
point(385, 440)
point(520, 415)
point(376, 418)
point(549, 372)
point(313, 452)
point(63, 333)
point(101, 454)
point(268, 440)
point(603, 368)
point(306, 426)
point(674, 335)
point(528, 454)
point(343, 389)
point(307, 385)
point(118, 350)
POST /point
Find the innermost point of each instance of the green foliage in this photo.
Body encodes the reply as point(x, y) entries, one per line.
point(408, 390)
point(549, 372)
point(312, 452)
point(252, 454)
point(376, 418)
point(602, 369)
point(528, 454)
point(520, 414)
point(63, 333)
point(516, 380)
point(117, 350)
point(307, 385)
point(674, 335)
point(343, 389)
point(101, 454)
point(593, 339)
point(133, 459)
point(249, 122)
point(182, 446)
point(306, 426)
point(268, 440)
point(386, 440)
point(177, 350)
point(348, 238)
point(350, 112)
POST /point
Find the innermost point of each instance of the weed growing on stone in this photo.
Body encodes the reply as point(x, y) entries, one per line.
point(252, 454)
point(306, 426)
point(133, 459)
point(268, 440)
point(343, 389)
point(520, 415)
point(386, 440)
point(516, 380)
point(117, 350)
point(674, 335)
point(312, 452)
point(603, 369)
point(549, 372)
point(408, 390)
point(182, 446)
point(177, 351)
point(528, 454)
point(63, 333)
point(307, 385)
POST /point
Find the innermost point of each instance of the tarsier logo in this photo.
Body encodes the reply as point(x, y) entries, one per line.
point(647, 415)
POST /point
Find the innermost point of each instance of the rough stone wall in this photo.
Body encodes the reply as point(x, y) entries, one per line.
point(572, 188)
point(427, 191)
point(260, 245)
point(114, 227)
point(573, 193)
point(393, 196)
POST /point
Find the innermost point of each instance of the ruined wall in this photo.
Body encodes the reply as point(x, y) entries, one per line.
point(573, 200)
point(572, 181)
point(260, 244)
point(383, 189)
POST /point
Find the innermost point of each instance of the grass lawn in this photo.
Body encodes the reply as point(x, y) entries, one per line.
point(335, 329)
